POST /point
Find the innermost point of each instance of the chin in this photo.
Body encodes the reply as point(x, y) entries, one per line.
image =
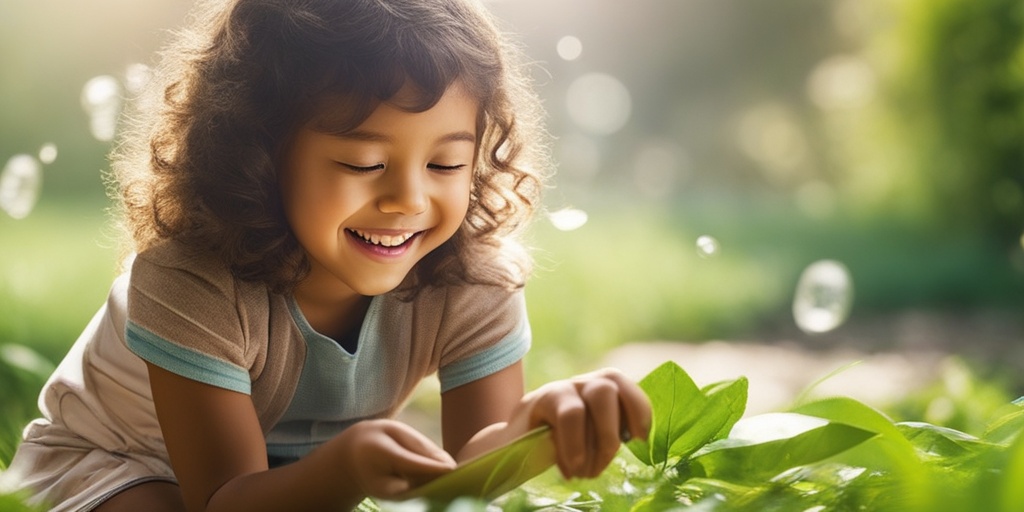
point(377, 288)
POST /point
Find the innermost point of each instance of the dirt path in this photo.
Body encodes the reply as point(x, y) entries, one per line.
point(884, 358)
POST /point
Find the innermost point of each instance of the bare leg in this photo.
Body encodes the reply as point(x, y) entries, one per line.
point(150, 496)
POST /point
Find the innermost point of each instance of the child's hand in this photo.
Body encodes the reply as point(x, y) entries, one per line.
point(386, 458)
point(590, 415)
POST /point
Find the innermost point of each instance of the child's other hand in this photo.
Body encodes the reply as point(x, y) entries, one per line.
point(386, 458)
point(590, 415)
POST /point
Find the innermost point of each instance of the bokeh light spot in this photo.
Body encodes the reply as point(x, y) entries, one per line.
point(48, 153)
point(823, 297)
point(568, 219)
point(20, 182)
point(771, 136)
point(136, 76)
point(707, 246)
point(841, 82)
point(599, 103)
point(101, 99)
point(569, 48)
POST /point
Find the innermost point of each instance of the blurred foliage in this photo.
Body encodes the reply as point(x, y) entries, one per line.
point(942, 143)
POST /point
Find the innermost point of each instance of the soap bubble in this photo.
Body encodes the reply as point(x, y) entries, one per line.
point(48, 153)
point(101, 99)
point(568, 219)
point(823, 297)
point(569, 48)
point(20, 182)
point(707, 246)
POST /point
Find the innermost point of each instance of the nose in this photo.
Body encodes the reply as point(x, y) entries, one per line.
point(403, 190)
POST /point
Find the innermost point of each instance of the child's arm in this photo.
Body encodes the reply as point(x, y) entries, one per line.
point(219, 455)
point(589, 415)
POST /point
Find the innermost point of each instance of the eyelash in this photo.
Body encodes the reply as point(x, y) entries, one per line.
point(378, 167)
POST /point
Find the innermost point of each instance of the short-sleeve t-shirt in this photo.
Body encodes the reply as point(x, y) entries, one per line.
point(187, 313)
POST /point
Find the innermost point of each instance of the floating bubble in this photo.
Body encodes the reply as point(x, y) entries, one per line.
point(20, 182)
point(707, 246)
point(48, 153)
point(568, 219)
point(101, 99)
point(599, 103)
point(569, 48)
point(823, 297)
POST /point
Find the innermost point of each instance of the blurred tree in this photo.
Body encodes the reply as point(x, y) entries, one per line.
point(945, 145)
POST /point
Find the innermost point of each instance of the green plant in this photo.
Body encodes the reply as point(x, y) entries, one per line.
point(831, 454)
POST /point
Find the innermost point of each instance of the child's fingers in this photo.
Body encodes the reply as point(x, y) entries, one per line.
point(602, 401)
point(559, 405)
point(415, 442)
point(635, 404)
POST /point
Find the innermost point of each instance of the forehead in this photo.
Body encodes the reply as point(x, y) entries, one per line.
point(340, 114)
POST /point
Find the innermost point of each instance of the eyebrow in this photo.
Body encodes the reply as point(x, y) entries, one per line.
point(368, 136)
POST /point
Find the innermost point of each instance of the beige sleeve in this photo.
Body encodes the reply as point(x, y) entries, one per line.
point(483, 329)
point(185, 315)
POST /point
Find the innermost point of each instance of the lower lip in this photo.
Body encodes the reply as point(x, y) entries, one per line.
point(379, 251)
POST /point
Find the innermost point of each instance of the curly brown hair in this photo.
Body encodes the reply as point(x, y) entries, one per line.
point(200, 161)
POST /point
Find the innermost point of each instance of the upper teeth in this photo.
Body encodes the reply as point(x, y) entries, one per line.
point(385, 240)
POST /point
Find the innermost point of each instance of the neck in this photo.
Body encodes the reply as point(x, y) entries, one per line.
point(331, 308)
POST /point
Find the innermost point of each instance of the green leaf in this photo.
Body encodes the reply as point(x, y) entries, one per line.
point(494, 473)
point(731, 395)
point(936, 441)
point(724, 407)
point(889, 452)
point(1007, 427)
point(675, 403)
point(764, 446)
point(1013, 474)
point(686, 417)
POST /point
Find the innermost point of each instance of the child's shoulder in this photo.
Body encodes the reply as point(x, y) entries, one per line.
point(171, 260)
point(469, 302)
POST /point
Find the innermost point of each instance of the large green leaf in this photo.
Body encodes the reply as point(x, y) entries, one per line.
point(1006, 427)
point(728, 398)
point(772, 443)
point(889, 452)
point(494, 473)
point(723, 408)
point(1012, 494)
point(941, 442)
point(675, 403)
point(686, 417)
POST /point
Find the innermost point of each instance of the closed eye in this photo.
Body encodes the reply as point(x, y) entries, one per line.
point(360, 168)
point(438, 167)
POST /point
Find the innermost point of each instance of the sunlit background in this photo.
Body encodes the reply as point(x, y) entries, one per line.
point(772, 188)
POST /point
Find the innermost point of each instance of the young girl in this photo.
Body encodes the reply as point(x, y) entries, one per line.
point(322, 199)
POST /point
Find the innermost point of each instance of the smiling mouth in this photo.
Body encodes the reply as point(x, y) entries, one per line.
point(388, 241)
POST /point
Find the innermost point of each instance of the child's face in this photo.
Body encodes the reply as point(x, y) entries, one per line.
point(368, 204)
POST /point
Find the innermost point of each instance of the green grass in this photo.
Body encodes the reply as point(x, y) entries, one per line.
point(55, 270)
